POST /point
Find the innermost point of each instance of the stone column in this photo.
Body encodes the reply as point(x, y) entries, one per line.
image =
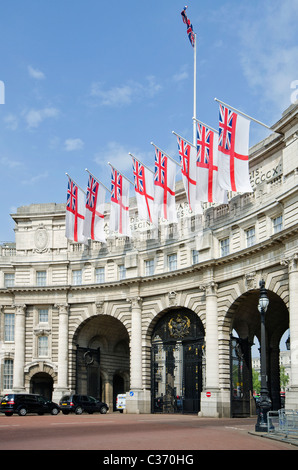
point(212, 371)
point(137, 399)
point(136, 344)
point(62, 384)
point(210, 397)
point(19, 355)
point(292, 394)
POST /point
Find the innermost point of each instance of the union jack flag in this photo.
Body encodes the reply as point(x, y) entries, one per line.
point(116, 186)
point(189, 28)
point(139, 176)
point(74, 212)
point(119, 215)
point(227, 121)
point(72, 192)
point(164, 181)
point(204, 145)
point(143, 183)
point(92, 189)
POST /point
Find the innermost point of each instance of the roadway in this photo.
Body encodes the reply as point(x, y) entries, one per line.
point(126, 432)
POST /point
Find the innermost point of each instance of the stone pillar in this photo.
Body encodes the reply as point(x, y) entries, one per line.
point(136, 344)
point(137, 399)
point(210, 396)
point(292, 393)
point(19, 355)
point(62, 383)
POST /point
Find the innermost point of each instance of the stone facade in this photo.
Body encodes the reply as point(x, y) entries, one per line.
point(57, 296)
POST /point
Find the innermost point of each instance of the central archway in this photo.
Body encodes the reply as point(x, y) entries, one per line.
point(177, 342)
point(245, 321)
point(102, 352)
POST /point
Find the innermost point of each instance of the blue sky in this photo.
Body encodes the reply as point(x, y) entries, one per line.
point(88, 81)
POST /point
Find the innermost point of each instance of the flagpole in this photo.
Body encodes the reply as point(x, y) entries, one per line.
point(195, 90)
point(165, 154)
point(206, 125)
point(140, 162)
point(246, 115)
point(86, 169)
point(187, 141)
point(75, 183)
point(121, 173)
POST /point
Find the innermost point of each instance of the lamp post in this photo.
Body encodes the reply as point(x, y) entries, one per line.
point(264, 404)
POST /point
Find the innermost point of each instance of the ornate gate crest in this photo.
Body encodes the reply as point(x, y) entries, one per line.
point(179, 326)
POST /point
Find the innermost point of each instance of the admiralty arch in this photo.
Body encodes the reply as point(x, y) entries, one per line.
point(169, 315)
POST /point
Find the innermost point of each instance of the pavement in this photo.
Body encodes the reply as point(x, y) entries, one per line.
point(115, 434)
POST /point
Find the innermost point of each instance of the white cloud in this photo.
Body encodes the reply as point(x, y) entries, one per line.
point(36, 178)
point(73, 144)
point(35, 73)
point(116, 154)
point(11, 122)
point(269, 54)
point(9, 163)
point(34, 117)
point(124, 94)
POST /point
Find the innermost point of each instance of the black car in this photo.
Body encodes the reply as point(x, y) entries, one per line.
point(79, 403)
point(23, 403)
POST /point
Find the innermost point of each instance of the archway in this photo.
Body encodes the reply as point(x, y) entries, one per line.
point(42, 384)
point(102, 351)
point(245, 320)
point(176, 364)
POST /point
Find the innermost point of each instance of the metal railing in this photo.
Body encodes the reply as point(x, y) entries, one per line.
point(283, 422)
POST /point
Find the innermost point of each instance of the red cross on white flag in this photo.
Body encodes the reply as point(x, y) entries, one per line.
point(94, 216)
point(119, 214)
point(75, 213)
point(233, 146)
point(164, 187)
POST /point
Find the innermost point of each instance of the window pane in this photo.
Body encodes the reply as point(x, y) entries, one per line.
point(43, 315)
point(172, 262)
point(7, 373)
point(42, 346)
point(250, 237)
point(225, 247)
point(9, 327)
point(100, 275)
point(122, 271)
point(77, 277)
point(149, 267)
point(277, 224)
point(8, 280)
point(41, 278)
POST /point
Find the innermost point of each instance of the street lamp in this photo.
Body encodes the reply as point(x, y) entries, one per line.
point(264, 404)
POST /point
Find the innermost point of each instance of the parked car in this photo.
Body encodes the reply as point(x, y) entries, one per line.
point(79, 403)
point(23, 403)
point(121, 402)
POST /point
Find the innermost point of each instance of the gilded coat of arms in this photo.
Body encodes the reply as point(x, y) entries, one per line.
point(179, 326)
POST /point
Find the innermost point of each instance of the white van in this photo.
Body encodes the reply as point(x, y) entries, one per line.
point(121, 402)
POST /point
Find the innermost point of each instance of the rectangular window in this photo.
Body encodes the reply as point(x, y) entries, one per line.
point(8, 280)
point(43, 315)
point(250, 236)
point(149, 267)
point(277, 224)
point(7, 374)
point(41, 278)
point(77, 277)
point(122, 272)
point(172, 262)
point(42, 346)
point(195, 256)
point(224, 247)
point(9, 327)
point(100, 275)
